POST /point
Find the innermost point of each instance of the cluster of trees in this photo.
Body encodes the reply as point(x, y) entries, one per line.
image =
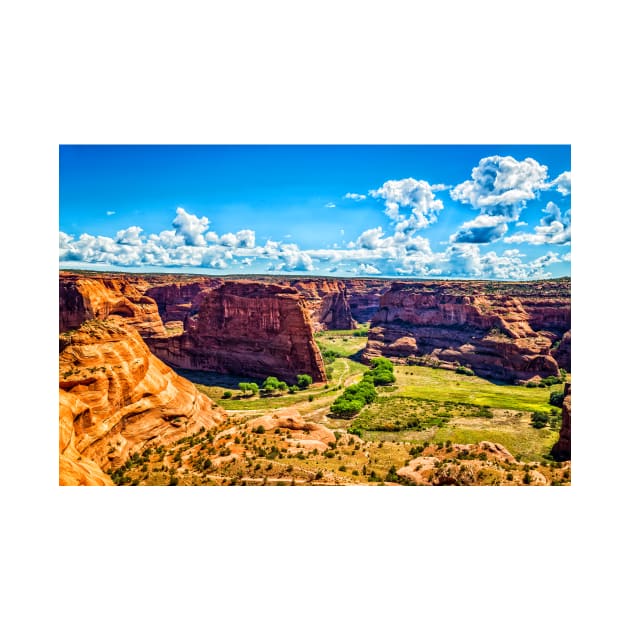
point(355, 397)
point(272, 385)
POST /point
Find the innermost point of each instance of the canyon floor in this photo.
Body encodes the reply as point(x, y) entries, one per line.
point(430, 427)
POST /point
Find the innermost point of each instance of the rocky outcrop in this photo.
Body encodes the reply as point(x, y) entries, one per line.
point(247, 328)
point(472, 324)
point(562, 353)
point(327, 301)
point(116, 399)
point(85, 297)
point(561, 450)
point(175, 300)
point(364, 297)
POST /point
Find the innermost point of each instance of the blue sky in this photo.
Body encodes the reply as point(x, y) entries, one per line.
point(466, 211)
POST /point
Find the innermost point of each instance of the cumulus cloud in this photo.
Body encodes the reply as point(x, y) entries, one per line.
point(374, 252)
point(553, 229)
point(191, 227)
point(483, 229)
point(366, 269)
point(409, 193)
point(562, 183)
point(521, 223)
point(502, 185)
point(109, 213)
point(354, 196)
point(330, 205)
point(130, 236)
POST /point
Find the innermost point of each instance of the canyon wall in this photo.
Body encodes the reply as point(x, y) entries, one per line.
point(562, 448)
point(116, 399)
point(84, 297)
point(484, 326)
point(247, 328)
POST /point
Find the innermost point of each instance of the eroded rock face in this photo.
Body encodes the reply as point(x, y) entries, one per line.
point(327, 301)
point(473, 324)
point(562, 448)
point(562, 353)
point(116, 399)
point(247, 328)
point(82, 298)
point(175, 300)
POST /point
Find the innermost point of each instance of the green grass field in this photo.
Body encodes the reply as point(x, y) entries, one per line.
point(445, 385)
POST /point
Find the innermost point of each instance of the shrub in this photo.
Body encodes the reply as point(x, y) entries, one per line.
point(304, 380)
point(556, 399)
point(227, 394)
point(540, 419)
point(293, 389)
point(259, 429)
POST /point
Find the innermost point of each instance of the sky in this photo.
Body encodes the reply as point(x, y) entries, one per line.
point(422, 211)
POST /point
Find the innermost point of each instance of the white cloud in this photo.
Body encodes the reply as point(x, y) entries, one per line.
point(553, 229)
point(354, 196)
point(502, 185)
point(191, 227)
point(109, 213)
point(330, 205)
point(439, 187)
point(367, 269)
point(521, 223)
point(563, 183)
point(409, 193)
point(567, 257)
point(130, 236)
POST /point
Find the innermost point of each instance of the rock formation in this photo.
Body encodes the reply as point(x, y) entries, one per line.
point(483, 326)
point(83, 297)
point(562, 353)
point(327, 301)
point(364, 297)
point(247, 328)
point(116, 399)
point(561, 450)
point(175, 300)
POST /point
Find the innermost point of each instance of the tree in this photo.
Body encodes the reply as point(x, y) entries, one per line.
point(540, 419)
point(248, 387)
point(556, 399)
point(271, 384)
point(304, 380)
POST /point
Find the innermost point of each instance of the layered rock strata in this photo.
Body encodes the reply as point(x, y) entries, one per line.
point(116, 399)
point(83, 297)
point(247, 328)
point(488, 330)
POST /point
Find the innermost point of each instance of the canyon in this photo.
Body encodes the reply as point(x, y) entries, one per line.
point(504, 332)
point(124, 337)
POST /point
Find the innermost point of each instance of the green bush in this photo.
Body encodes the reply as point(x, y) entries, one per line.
point(540, 419)
point(227, 394)
point(556, 399)
point(304, 380)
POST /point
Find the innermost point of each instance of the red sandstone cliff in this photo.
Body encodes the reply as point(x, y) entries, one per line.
point(247, 328)
point(562, 448)
point(470, 323)
point(84, 297)
point(116, 398)
point(175, 300)
point(327, 301)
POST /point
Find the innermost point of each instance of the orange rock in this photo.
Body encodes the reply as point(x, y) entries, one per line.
point(117, 398)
